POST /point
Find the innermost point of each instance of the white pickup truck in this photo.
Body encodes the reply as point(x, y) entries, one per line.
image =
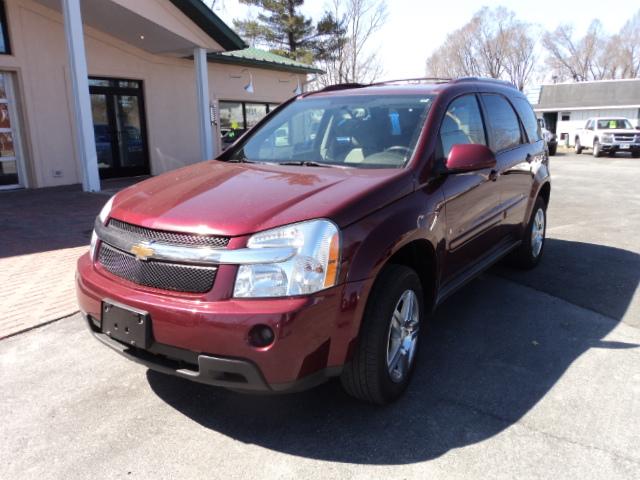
point(608, 135)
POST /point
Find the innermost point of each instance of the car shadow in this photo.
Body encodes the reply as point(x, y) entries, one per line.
point(492, 353)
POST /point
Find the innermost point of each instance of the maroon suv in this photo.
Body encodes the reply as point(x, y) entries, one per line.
point(318, 244)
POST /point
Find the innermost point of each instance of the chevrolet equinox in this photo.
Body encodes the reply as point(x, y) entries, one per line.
point(319, 243)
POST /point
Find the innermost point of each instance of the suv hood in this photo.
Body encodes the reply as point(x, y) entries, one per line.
point(234, 199)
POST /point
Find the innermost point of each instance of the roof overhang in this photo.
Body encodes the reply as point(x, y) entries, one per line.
point(247, 62)
point(173, 27)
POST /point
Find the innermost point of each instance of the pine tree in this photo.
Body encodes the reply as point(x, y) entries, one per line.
point(281, 27)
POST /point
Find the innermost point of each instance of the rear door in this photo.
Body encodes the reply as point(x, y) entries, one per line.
point(518, 146)
point(471, 198)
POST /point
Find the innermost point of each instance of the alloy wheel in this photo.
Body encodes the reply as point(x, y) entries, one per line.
point(537, 232)
point(403, 336)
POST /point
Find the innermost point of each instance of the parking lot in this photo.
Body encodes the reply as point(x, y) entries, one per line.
point(522, 375)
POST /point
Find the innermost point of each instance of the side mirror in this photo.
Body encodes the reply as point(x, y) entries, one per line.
point(469, 157)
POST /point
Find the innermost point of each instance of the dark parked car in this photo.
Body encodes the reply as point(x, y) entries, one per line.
point(317, 245)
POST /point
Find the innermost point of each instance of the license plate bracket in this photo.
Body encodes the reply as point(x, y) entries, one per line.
point(126, 324)
point(624, 146)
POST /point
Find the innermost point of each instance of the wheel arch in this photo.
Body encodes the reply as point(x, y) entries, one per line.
point(420, 256)
point(545, 192)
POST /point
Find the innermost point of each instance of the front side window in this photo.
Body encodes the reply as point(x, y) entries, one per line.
point(364, 131)
point(504, 122)
point(462, 124)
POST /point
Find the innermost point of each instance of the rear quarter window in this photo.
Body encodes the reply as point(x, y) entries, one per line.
point(528, 118)
point(503, 120)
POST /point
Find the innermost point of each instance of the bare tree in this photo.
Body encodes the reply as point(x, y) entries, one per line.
point(492, 44)
point(627, 44)
point(578, 59)
point(353, 59)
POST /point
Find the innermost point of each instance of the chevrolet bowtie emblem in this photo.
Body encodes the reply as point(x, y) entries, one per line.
point(142, 251)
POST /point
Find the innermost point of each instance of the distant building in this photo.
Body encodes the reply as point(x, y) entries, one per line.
point(565, 107)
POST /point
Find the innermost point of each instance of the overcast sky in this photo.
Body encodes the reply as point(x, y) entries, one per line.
point(414, 28)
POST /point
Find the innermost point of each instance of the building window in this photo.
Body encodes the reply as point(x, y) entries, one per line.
point(4, 31)
point(237, 117)
point(566, 117)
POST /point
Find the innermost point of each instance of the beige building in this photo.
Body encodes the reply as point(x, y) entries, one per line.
point(93, 89)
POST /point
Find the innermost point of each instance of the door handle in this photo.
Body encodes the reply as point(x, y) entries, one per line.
point(493, 176)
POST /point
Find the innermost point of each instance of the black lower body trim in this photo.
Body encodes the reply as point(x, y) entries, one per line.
point(232, 373)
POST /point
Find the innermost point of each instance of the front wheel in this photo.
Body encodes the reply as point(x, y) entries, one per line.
point(383, 360)
point(596, 149)
point(529, 253)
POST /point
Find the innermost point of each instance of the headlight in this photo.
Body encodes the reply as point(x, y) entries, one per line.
point(103, 215)
point(93, 244)
point(606, 137)
point(106, 210)
point(314, 266)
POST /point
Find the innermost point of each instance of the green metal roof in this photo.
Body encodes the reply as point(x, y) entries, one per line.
point(261, 58)
point(210, 23)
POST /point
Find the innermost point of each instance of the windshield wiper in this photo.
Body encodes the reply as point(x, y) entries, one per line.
point(240, 160)
point(308, 163)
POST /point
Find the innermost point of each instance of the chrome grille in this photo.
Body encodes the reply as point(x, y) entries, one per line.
point(624, 137)
point(173, 238)
point(162, 275)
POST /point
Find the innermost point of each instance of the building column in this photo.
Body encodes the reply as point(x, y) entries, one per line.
point(202, 98)
point(85, 139)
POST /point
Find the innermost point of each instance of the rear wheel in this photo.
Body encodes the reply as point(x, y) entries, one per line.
point(596, 148)
point(529, 253)
point(552, 150)
point(383, 361)
point(578, 146)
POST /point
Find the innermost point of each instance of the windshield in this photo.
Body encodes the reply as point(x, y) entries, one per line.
point(614, 123)
point(363, 131)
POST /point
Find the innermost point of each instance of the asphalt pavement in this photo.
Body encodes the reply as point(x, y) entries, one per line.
point(522, 375)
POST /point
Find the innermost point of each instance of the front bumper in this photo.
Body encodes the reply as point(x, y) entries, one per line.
point(619, 147)
point(205, 338)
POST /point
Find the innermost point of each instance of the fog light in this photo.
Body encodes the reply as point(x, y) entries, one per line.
point(261, 336)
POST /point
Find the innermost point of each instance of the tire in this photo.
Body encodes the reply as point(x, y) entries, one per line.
point(528, 255)
point(596, 149)
point(368, 376)
point(578, 146)
point(553, 150)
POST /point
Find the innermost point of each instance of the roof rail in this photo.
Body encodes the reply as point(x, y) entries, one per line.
point(504, 83)
point(340, 86)
point(414, 80)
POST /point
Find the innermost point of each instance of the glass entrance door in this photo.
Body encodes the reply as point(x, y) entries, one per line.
point(11, 175)
point(119, 127)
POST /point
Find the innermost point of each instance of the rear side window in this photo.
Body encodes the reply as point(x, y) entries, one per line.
point(503, 121)
point(462, 124)
point(525, 112)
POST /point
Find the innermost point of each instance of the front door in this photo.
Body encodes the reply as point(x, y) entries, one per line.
point(119, 127)
point(471, 203)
